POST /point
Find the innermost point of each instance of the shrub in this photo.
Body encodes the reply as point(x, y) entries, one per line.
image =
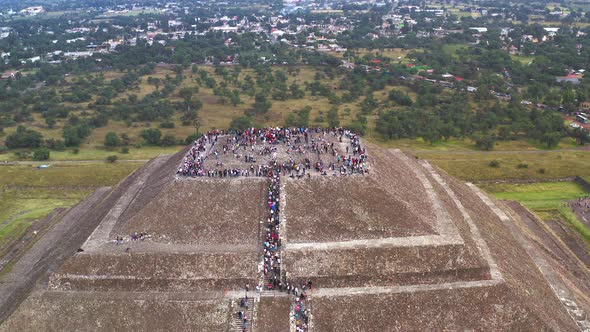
point(112, 159)
point(167, 124)
point(55, 144)
point(190, 139)
point(75, 151)
point(522, 165)
point(22, 154)
point(494, 163)
point(485, 143)
point(125, 150)
point(41, 154)
point(541, 170)
point(241, 123)
point(168, 140)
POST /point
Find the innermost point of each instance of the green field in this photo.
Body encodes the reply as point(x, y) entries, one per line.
point(475, 165)
point(523, 59)
point(19, 207)
point(547, 200)
point(452, 49)
point(28, 194)
point(537, 196)
point(143, 153)
point(419, 145)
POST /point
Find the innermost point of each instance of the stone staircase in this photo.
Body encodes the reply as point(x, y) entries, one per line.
point(236, 324)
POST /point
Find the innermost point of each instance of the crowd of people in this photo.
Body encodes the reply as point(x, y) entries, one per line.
point(132, 237)
point(272, 241)
point(582, 207)
point(301, 144)
point(346, 158)
point(272, 256)
point(193, 163)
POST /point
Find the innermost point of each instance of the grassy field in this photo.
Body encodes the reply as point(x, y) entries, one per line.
point(19, 207)
point(547, 200)
point(475, 165)
point(28, 194)
point(66, 175)
point(392, 53)
point(537, 196)
point(466, 144)
point(99, 153)
point(523, 58)
point(133, 12)
point(452, 49)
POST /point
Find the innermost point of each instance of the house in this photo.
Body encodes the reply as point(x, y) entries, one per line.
point(572, 78)
point(33, 10)
point(12, 74)
point(277, 33)
point(347, 65)
point(479, 29)
point(551, 31)
point(529, 38)
point(513, 50)
point(225, 29)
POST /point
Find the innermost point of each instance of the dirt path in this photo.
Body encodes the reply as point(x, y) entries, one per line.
point(57, 162)
point(580, 149)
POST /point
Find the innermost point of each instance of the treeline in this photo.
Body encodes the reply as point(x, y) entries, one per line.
point(449, 116)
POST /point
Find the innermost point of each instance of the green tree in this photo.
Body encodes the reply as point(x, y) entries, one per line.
point(241, 123)
point(400, 98)
point(186, 94)
point(369, 104)
point(235, 98)
point(551, 139)
point(74, 134)
point(24, 138)
point(111, 140)
point(50, 122)
point(151, 135)
point(333, 120)
point(581, 135)
point(41, 154)
point(261, 105)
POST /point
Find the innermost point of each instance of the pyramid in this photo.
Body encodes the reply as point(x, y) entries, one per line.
point(401, 247)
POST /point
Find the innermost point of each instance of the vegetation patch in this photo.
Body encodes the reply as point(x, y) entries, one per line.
point(535, 196)
point(474, 165)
